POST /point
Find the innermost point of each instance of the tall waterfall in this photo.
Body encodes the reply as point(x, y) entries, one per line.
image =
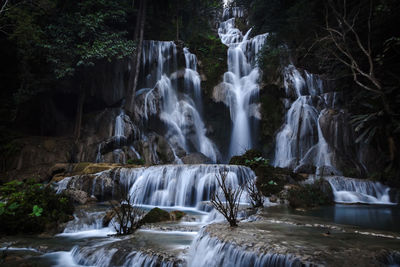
point(300, 141)
point(179, 111)
point(241, 79)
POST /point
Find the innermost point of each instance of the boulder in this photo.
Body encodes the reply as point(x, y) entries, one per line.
point(79, 196)
point(156, 215)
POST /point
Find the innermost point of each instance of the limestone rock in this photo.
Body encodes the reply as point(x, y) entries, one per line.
point(196, 158)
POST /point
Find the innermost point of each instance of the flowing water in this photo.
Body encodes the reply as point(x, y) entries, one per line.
point(300, 141)
point(241, 80)
point(180, 111)
point(360, 191)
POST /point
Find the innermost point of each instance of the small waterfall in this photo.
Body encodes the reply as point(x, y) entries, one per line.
point(103, 256)
point(179, 185)
point(119, 128)
point(180, 112)
point(300, 141)
point(209, 251)
point(241, 79)
point(84, 221)
point(348, 190)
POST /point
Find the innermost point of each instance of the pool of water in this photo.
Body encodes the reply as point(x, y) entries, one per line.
point(377, 217)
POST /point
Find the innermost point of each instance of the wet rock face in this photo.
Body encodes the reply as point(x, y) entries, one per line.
point(196, 158)
point(335, 127)
point(79, 196)
point(99, 185)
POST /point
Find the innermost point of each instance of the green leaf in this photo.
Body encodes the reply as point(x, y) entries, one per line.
point(36, 211)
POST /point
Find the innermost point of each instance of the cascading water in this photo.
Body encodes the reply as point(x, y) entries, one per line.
point(183, 186)
point(241, 79)
point(347, 190)
point(208, 251)
point(300, 141)
point(178, 111)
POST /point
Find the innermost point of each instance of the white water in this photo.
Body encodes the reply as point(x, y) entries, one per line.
point(208, 251)
point(347, 190)
point(300, 140)
point(179, 111)
point(241, 79)
point(179, 185)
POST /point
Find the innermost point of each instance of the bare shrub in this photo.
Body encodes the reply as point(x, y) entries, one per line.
point(128, 217)
point(226, 198)
point(255, 196)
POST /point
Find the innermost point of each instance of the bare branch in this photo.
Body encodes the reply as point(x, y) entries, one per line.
point(3, 7)
point(226, 199)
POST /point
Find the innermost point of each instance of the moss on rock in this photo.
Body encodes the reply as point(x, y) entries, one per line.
point(156, 215)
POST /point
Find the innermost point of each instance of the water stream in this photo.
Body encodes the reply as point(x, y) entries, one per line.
point(241, 80)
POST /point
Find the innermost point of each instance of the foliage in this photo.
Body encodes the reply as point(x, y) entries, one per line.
point(256, 162)
point(270, 180)
point(309, 195)
point(226, 198)
point(86, 34)
point(211, 54)
point(248, 156)
point(71, 36)
point(29, 207)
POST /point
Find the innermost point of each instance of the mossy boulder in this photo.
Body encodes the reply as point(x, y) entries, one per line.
point(156, 215)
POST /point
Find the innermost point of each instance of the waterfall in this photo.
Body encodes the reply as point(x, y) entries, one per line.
point(179, 111)
point(179, 185)
point(119, 128)
point(347, 190)
point(241, 79)
point(209, 251)
point(300, 142)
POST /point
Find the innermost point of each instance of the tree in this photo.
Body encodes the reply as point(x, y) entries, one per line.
point(88, 33)
point(138, 37)
point(128, 217)
point(255, 196)
point(226, 198)
point(351, 40)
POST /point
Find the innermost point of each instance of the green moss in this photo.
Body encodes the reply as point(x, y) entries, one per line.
point(156, 215)
point(135, 161)
point(177, 214)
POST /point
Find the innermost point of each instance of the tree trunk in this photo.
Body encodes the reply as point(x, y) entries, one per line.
point(134, 77)
point(79, 111)
point(74, 155)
